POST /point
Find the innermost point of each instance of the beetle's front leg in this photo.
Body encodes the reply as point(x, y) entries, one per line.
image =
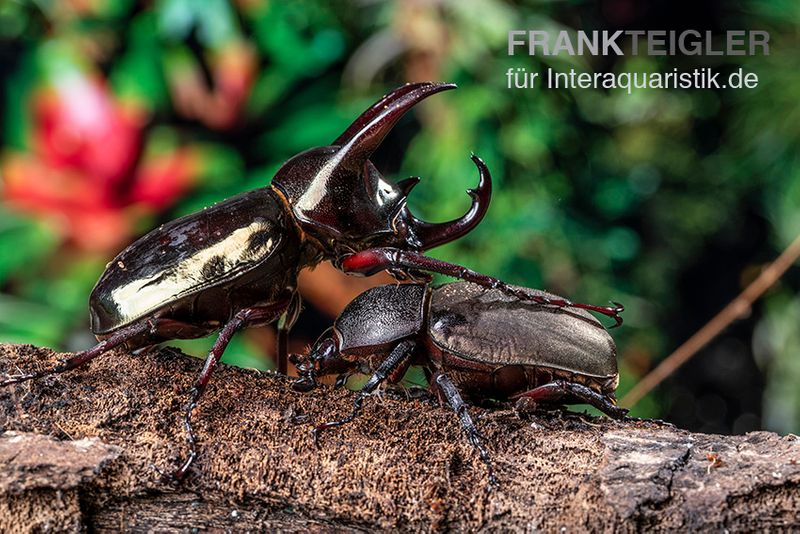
point(285, 324)
point(374, 260)
point(399, 358)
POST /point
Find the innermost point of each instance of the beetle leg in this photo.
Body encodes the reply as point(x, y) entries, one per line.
point(121, 337)
point(285, 323)
point(399, 356)
point(555, 391)
point(453, 397)
point(374, 260)
point(397, 374)
point(341, 380)
point(241, 320)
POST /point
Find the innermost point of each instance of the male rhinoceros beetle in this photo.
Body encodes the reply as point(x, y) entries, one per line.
point(234, 265)
point(469, 340)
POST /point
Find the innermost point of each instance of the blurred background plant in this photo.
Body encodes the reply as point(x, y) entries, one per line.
point(119, 115)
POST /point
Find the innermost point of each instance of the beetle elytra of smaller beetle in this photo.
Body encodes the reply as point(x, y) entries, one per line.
point(471, 342)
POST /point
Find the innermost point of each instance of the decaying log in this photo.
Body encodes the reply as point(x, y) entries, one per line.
point(81, 450)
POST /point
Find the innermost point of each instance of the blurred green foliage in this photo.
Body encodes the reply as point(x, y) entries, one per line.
point(598, 194)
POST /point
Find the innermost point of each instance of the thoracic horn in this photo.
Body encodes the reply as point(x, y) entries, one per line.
point(364, 135)
point(431, 235)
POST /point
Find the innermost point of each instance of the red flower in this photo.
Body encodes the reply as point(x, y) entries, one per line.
point(86, 172)
point(79, 125)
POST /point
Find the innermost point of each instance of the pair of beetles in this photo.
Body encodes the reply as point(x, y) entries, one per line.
point(234, 265)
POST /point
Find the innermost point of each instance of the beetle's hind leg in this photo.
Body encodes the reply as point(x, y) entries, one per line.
point(242, 319)
point(123, 336)
point(556, 391)
point(453, 397)
point(398, 360)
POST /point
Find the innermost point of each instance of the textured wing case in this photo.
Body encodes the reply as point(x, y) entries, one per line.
point(487, 325)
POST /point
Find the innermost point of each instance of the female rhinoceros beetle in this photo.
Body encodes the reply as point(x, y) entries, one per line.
point(235, 264)
point(469, 340)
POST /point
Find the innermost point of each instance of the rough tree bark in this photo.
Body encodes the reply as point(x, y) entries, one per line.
point(79, 451)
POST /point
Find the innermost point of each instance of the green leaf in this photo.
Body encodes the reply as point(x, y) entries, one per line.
point(24, 243)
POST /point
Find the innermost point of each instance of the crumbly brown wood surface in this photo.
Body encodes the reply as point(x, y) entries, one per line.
point(80, 451)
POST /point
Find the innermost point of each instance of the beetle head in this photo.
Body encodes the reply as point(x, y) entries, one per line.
point(338, 196)
point(323, 359)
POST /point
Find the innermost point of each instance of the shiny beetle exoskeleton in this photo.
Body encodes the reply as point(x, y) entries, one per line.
point(235, 264)
point(470, 341)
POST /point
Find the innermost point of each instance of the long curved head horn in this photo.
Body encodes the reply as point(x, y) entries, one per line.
point(431, 235)
point(364, 135)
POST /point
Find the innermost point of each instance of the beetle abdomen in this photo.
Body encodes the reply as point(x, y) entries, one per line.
point(175, 263)
point(494, 329)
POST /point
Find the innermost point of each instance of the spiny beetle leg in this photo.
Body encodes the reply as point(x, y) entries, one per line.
point(241, 320)
point(285, 324)
point(399, 357)
point(555, 391)
point(374, 260)
point(341, 380)
point(451, 394)
point(121, 337)
point(282, 350)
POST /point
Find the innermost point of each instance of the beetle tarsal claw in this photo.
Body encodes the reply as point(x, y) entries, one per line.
point(616, 310)
point(306, 371)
